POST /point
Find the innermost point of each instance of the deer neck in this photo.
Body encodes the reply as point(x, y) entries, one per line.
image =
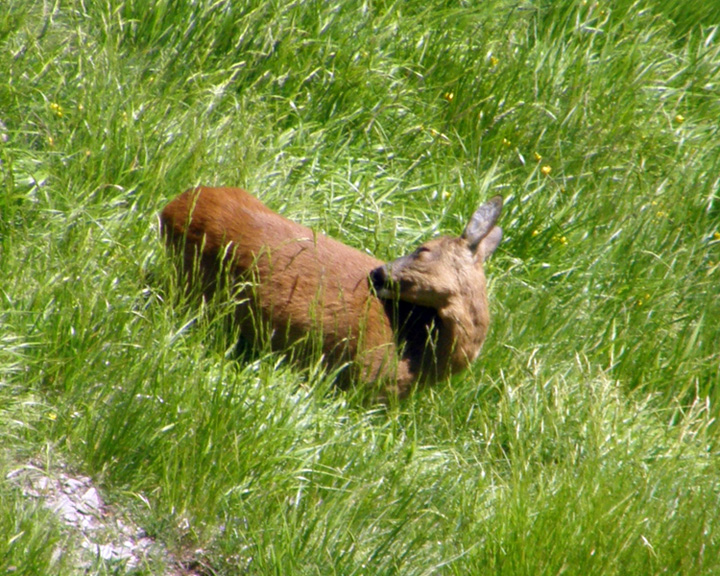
point(464, 323)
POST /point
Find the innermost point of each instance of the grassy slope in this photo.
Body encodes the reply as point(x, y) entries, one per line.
point(582, 441)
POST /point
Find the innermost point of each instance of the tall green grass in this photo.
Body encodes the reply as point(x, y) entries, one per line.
point(582, 441)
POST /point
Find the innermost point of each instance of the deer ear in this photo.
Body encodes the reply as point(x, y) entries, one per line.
point(490, 243)
point(482, 222)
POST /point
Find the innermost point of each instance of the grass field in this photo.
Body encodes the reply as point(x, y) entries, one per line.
point(583, 441)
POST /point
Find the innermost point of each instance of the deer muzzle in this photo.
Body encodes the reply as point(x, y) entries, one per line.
point(381, 282)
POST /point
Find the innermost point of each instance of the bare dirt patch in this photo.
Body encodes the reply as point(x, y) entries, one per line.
point(102, 532)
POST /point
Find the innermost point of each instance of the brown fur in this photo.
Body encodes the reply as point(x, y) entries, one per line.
point(297, 282)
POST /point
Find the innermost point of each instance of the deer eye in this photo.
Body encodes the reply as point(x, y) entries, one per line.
point(422, 250)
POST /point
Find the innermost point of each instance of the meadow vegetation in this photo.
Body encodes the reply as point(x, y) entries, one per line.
point(584, 439)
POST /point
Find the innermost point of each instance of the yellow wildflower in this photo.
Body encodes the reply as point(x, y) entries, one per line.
point(546, 170)
point(679, 118)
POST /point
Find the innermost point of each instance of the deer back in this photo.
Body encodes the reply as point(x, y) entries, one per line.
point(296, 282)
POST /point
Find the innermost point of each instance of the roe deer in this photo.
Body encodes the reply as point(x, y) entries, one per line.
point(417, 319)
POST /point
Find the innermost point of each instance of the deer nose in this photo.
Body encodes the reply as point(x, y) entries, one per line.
point(379, 277)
